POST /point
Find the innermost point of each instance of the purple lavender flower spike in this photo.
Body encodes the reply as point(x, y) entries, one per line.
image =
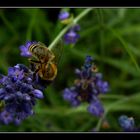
point(19, 93)
point(87, 87)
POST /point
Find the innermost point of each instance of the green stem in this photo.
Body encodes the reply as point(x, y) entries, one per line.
point(80, 16)
point(100, 121)
point(107, 110)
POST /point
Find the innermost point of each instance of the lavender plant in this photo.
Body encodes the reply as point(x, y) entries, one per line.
point(87, 87)
point(19, 89)
point(19, 93)
point(22, 87)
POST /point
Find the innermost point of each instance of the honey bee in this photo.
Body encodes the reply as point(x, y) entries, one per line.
point(44, 61)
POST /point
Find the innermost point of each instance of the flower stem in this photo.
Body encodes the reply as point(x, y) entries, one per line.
point(100, 121)
point(107, 111)
point(58, 37)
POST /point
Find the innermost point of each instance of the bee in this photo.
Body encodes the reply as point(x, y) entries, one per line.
point(44, 61)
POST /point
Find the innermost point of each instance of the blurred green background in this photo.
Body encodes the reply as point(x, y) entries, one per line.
point(111, 36)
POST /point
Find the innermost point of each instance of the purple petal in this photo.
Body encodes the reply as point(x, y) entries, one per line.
point(38, 93)
point(63, 15)
point(126, 123)
point(96, 108)
point(11, 70)
point(25, 49)
point(71, 37)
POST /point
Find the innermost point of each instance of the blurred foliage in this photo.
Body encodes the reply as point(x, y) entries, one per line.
point(111, 36)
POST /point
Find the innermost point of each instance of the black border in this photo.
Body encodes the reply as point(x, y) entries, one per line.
point(75, 4)
point(57, 135)
point(69, 3)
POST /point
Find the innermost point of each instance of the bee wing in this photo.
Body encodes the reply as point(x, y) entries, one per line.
point(57, 50)
point(41, 44)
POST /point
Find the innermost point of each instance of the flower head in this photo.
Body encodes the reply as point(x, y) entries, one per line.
point(127, 123)
point(25, 49)
point(71, 37)
point(19, 93)
point(63, 15)
point(88, 85)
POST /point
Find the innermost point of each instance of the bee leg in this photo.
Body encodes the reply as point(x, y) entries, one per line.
point(33, 63)
point(34, 74)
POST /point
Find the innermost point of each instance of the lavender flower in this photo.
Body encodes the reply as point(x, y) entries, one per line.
point(96, 108)
point(6, 117)
point(87, 87)
point(71, 96)
point(127, 123)
point(24, 49)
point(19, 93)
point(71, 37)
point(63, 15)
